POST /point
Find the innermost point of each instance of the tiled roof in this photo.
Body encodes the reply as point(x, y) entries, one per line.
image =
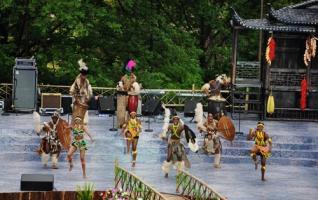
point(296, 16)
point(266, 25)
point(305, 4)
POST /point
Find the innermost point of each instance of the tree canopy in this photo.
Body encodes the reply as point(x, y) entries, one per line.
point(176, 43)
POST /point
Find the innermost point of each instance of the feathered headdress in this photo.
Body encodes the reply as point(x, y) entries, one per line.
point(83, 68)
point(131, 65)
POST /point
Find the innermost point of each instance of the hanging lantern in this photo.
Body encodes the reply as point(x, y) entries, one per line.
point(303, 94)
point(270, 104)
point(310, 51)
point(270, 50)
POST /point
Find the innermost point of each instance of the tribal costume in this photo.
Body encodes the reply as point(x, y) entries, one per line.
point(176, 153)
point(262, 146)
point(81, 91)
point(216, 103)
point(212, 142)
point(78, 139)
point(127, 90)
point(54, 134)
point(79, 131)
point(132, 129)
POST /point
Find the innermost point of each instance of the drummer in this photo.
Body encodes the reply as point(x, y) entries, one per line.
point(216, 103)
point(81, 89)
point(213, 88)
point(126, 87)
point(212, 142)
point(262, 146)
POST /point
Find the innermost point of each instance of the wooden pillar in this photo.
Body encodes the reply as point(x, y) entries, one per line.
point(308, 75)
point(234, 54)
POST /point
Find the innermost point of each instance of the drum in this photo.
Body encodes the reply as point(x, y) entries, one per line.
point(132, 103)
point(217, 108)
point(79, 110)
point(226, 128)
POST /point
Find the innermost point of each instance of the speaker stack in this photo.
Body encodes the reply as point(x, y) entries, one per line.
point(106, 105)
point(37, 182)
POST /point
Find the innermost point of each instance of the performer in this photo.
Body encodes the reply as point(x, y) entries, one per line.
point(176, 153)
point(81, 91)
point(212, 142)
point(262, 146)
point(127, 86)
point(79, 131)
point(131, 130)
point(216, 103)
point(55, 134)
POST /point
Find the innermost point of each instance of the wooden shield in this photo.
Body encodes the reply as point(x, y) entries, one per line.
point(226, 127)
point(64, 133)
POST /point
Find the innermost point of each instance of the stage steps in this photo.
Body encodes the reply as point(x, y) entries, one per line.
point(295, 152)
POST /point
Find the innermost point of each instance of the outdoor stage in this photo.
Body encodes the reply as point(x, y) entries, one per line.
point(291, 172)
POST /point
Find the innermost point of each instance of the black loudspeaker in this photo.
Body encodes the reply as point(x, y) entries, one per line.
point(93, 104)
point(37, 182)
point(189, 107)
point(66, 104)
point(106, 105)
point(7, 105)
point(151, 107)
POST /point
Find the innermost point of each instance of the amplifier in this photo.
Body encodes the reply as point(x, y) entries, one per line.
point(51, 102)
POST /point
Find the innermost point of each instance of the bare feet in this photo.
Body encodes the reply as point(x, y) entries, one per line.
point(166, 175)
point(54, 167)
point(133, 164)
point(84, 175)
point(256, 165)
point(217, 166)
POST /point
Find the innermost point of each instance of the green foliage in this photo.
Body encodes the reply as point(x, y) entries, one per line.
point(176, 43)
point(86, 192)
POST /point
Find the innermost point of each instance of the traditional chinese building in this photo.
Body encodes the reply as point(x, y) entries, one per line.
point(290, 27)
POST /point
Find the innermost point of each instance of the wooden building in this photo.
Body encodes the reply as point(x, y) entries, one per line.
point(290, 27)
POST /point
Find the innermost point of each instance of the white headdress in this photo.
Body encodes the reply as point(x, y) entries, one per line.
point(82, 65)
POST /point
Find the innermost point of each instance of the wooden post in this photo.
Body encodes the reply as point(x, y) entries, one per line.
point(234, 54)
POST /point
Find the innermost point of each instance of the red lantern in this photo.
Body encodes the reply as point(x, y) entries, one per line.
point(270, 50)
point(303, 94)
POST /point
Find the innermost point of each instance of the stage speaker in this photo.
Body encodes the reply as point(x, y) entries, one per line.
point(189, 107)
point(151, 107)
point(24, 90)
point(106, 105)
point(37, 182)
point(66, 104)
point(93, 104)
point(7, 105)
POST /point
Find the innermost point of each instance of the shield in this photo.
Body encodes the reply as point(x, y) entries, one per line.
point(64, 133)
point(226, 128)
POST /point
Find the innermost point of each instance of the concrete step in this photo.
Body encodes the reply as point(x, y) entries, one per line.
point(124, 158)
point(145, 150)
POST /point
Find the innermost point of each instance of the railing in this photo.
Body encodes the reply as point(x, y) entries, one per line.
point(170, 97)
point(195, 188)
point(129, 182)
point(5, 90)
